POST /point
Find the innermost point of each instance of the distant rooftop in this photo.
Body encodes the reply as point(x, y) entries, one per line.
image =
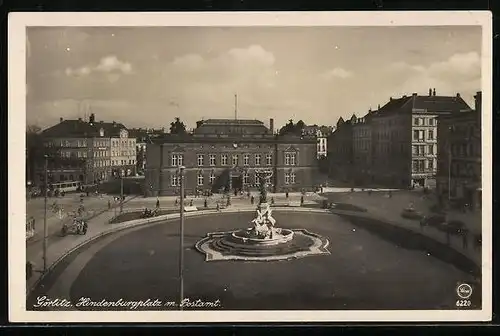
point(82, 129)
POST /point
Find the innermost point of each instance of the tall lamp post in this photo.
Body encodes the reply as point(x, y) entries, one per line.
point(45, 230)
point(121, 191)
point(181, 238)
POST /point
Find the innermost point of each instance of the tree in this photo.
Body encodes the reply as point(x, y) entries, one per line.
point(140, 159)
point(177, 127)
point(299, 126)
point(288, 128)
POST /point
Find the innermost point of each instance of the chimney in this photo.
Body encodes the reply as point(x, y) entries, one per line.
point(79, 119)
point(430, 92)
point(478, 101)
point(390, 98)
point(378, 108)
point(434, 92)
point(458, 95)
point(271, 125)
point(414, 94)
point(61, 120)
point(92, 118)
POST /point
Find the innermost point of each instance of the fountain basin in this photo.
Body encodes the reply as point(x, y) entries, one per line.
point(280, 236)
point(239, 245)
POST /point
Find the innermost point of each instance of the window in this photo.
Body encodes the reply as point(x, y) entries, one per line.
point(415, 165)
point(287, 178)
point(421, 165)
point(200, 179)
point(246, 159)
point(431, 164)
point(292, 178)
point(431, 134)
point(223, 159)
point(200, 159)
point(269, 159)
point(246, 178)
point(431, 149)
point(212, 178)
point(416, 121)
point(415, 135)
point(212, 159)
point(174, 180)
point(414, 150)
point(257, 159)
point(290, 159)
point(235, 160)
point(431, 121)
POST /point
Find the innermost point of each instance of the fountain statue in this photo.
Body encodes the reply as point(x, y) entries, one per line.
point(264, 222)
point(262, 241)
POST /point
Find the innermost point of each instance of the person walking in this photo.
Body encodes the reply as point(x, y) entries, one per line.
point(205, 203)
point(157, 203)
point(218, 207)
point(252, 200)
point(302, 200)
point(191, 202)
point(286, 194)
point(109, 204)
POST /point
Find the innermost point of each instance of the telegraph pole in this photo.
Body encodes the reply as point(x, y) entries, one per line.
point(181, 241)
point(45, 229)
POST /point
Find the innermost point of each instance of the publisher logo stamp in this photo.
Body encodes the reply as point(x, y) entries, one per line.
point(464, 291)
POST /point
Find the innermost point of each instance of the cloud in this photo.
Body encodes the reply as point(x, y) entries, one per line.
point(460, 73)
point(107, 65)
point(336, 73)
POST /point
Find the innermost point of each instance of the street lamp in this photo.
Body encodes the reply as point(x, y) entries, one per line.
point(181, 238)
point(45, 230)
point(121, 191)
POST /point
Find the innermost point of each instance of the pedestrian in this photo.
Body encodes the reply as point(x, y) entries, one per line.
point(109, 204)
point(218, 207)
point(191, 202)
point(302, 200)
point(206, 203)
point(228, 201)
point(252, 200)
point(272, 200)
point(286, 194)
point(157, 203)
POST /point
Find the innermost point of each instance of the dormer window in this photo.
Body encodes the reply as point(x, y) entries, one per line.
point(101, 132)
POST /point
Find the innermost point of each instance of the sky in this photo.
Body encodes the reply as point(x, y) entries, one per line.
point(147, 76)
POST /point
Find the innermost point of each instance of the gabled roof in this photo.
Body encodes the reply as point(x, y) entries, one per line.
point(82, 129)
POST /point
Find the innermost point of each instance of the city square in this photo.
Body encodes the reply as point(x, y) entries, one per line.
point(259, 179)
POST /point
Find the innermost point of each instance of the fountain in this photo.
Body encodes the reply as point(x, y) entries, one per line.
point(263, 241)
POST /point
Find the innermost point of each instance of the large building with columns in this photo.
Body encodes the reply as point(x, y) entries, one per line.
point(225, 153)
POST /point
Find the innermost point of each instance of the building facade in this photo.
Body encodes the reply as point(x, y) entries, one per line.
point(340, 151)
point(459, 157)
point(225, 154)
point(78, 150)
point(395, 145)
point(321, 133)
point(123, 154)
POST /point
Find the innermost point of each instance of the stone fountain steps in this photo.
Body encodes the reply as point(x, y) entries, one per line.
point(228, 246)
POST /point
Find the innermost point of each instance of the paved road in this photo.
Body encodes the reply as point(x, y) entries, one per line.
point(362, 272)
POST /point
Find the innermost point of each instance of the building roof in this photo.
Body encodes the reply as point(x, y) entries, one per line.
point(82, 129)
point(231, 126)
point(232, 122)
point(433, 104)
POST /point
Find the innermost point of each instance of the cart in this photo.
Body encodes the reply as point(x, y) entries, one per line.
point(77, 226)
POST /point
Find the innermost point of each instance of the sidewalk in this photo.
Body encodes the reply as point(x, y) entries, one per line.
point(379, 206)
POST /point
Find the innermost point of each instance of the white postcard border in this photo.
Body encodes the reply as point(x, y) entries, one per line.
point(17, 24)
